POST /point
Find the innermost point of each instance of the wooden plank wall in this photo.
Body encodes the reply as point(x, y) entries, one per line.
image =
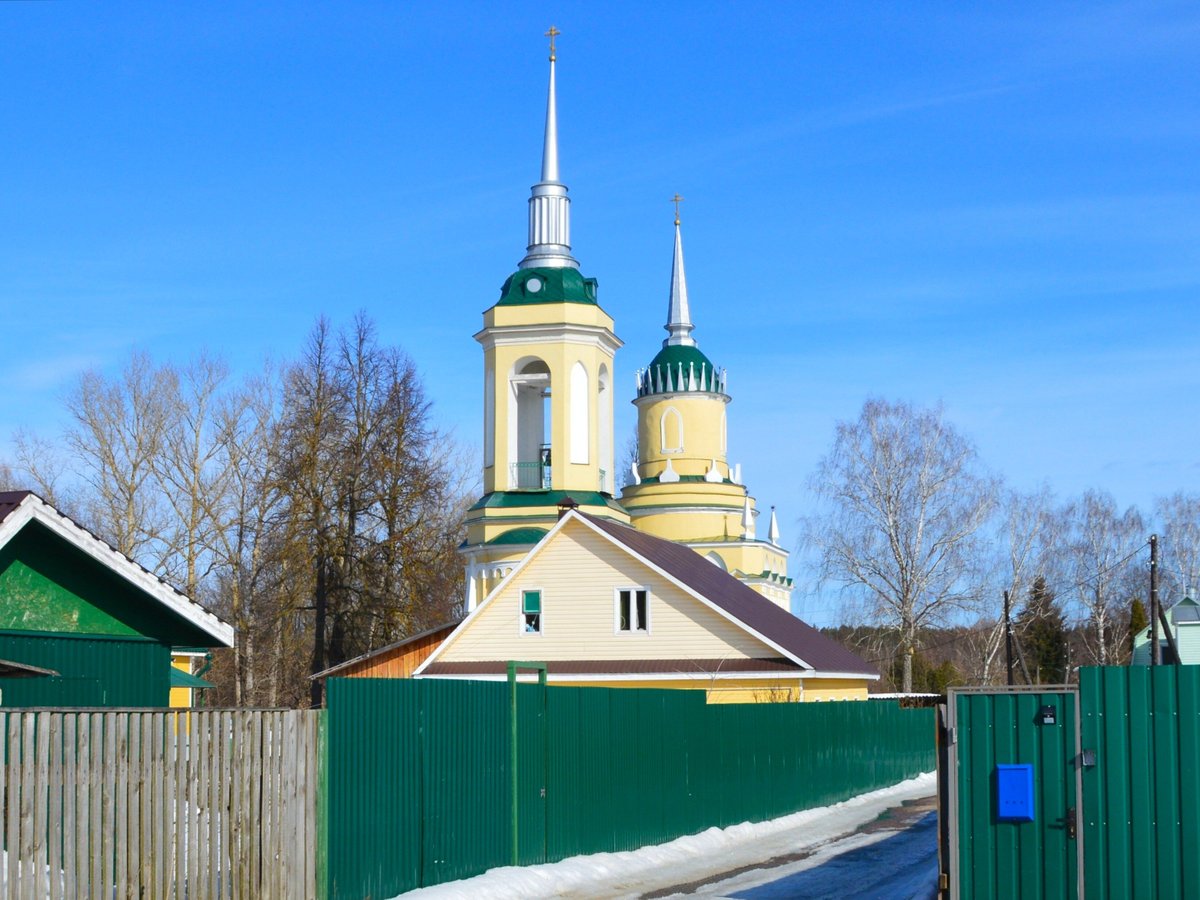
point(219, 803)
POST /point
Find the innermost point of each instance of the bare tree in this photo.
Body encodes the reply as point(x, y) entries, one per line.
point(1100, 548)
point(115, 438)
point(42, 468)
point(1179, 517)
point(192, 470)
point(369, 494)
point(904, 499)
point(1025, 539)
point(8, 481)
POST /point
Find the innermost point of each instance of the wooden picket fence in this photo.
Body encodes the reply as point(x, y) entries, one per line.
point(202, 804)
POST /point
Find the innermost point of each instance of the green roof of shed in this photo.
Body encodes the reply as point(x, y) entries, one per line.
point(182, 679)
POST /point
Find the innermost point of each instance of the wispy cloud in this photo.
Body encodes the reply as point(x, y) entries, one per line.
point(47, 373)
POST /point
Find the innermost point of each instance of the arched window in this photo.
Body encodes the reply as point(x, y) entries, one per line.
point(489, 419)
point(604, 397)
point(579, 414)
point(529, 425)
point(716, 560)
point(671, 431)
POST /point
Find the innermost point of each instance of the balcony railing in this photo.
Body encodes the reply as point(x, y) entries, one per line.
point(530, 476)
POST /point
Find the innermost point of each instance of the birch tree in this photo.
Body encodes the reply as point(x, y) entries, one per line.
point(1100, 545)
point(1179, 517)
point(903, 499)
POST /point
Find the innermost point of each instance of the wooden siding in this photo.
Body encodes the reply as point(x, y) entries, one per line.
point(397, 662)
point(577, 574)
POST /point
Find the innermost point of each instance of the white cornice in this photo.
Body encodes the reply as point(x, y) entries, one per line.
point(514, 335)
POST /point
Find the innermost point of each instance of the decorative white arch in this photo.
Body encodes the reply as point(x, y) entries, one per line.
point(579, 415)
point(604, 397)
point(489, 418)
point(528, 420)
point(670, 431)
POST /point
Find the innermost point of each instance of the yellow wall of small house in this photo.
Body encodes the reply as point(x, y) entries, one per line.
point(821, 689)
point(723, 691)
point(181, 698)
point(702, 415)
point(745, 690)
point(574, 332)
point(577, 574)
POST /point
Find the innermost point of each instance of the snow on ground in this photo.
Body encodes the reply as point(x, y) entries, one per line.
point(683, 860)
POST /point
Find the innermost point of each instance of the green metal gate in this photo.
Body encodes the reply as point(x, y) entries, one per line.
point(1003, 844)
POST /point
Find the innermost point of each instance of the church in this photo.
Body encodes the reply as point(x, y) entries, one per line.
point(666, 584)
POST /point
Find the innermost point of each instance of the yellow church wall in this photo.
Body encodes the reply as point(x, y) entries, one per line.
point(577, 574)
point(560, 335)
point(702, 420)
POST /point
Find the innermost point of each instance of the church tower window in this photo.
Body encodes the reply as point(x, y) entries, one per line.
point(671, 431)
point(580, 413)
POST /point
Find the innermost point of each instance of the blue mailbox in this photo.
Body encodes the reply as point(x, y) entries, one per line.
point(1014, 792)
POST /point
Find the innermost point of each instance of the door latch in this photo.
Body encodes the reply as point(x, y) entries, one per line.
point(1070, 822)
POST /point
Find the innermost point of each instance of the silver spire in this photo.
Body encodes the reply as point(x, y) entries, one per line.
point(549, 206)
point(679, 318)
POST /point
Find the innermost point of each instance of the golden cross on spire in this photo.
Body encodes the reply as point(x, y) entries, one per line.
point(676, 200)
point(552, 34)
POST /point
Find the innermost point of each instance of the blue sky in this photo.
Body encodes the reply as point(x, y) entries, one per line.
point(995, 207)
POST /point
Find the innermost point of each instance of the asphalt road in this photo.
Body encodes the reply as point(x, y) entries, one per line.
point(891, 858)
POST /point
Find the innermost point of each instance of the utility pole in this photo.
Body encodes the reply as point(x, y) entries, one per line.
point(1155, 650)
point(1008, 640)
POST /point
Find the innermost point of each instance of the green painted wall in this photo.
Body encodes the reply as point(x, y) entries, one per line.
point(93, 671)
point(47, 585)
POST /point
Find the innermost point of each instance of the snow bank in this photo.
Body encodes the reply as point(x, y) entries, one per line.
point(683, 859)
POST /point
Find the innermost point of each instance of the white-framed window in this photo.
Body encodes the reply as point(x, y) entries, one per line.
point(632, 610)
point(531, 611)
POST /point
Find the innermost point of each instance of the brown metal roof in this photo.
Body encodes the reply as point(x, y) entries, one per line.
point(10, 669)
point(680, 667)
point(10, 500)
point(744, 603)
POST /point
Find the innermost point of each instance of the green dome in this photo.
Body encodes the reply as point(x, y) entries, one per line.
point(565, 285)
point(678, 368)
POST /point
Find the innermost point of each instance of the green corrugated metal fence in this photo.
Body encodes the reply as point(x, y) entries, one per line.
point(419, 786)
point(995, 858)
point(1141, 801)
point(1136, 760)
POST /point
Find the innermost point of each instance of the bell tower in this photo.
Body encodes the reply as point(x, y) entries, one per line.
point(548, 353)
point(683, 488)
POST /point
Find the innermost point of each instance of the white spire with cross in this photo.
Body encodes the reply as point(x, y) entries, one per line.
point(549, 207)
point(679, 318)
